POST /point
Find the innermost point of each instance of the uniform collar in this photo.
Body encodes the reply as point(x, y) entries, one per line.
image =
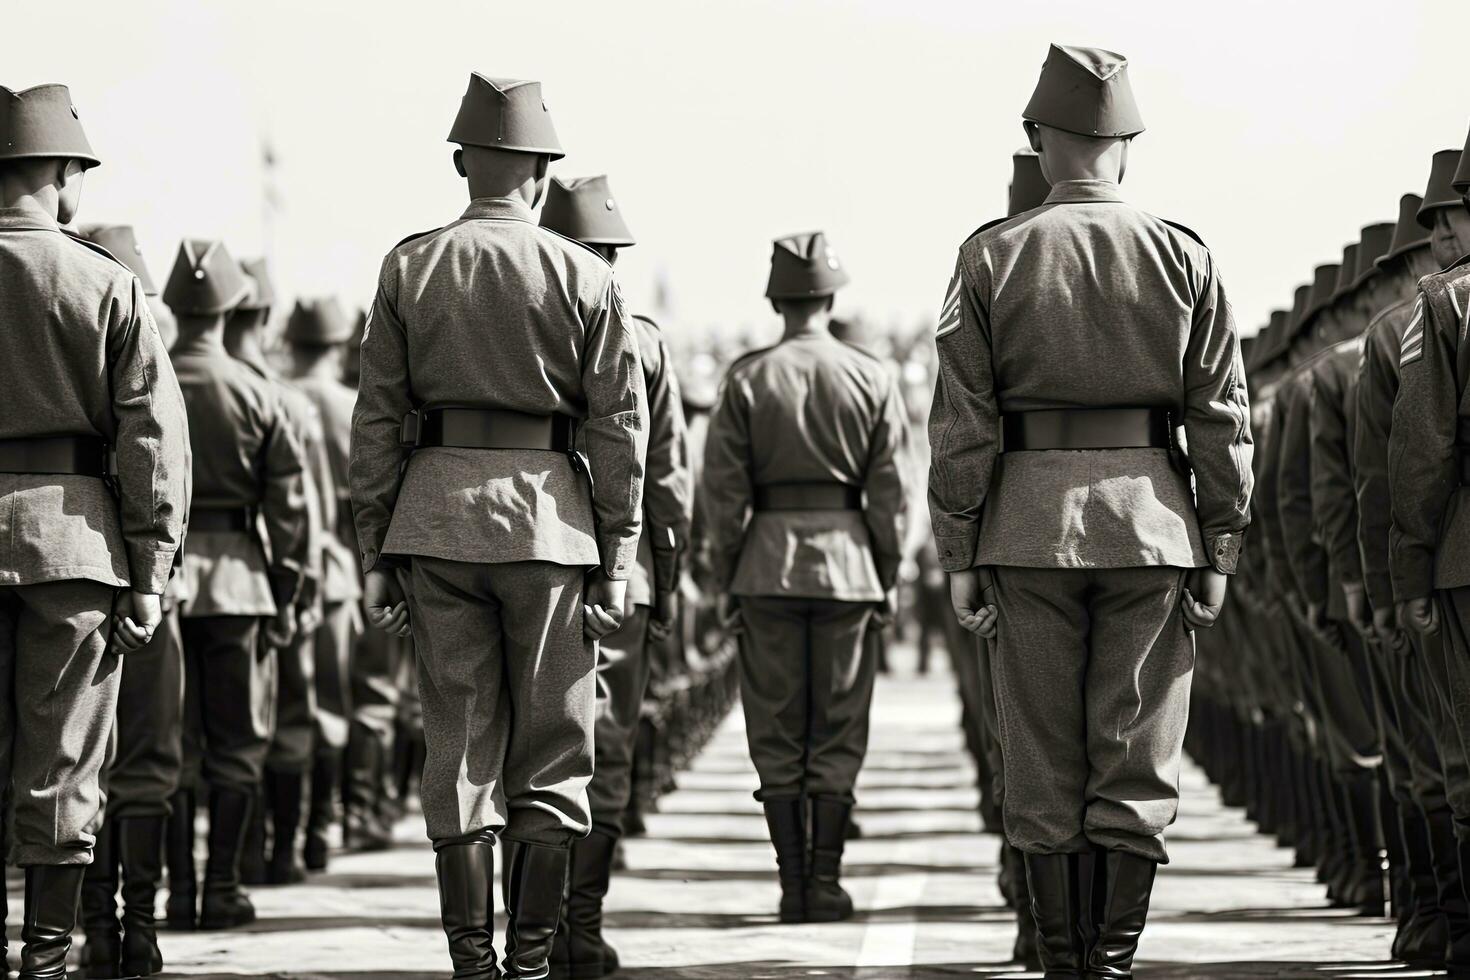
point(1084, 192)
point(27, 219)
point(498, 209)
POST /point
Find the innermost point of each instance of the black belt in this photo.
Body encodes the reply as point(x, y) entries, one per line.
point(809, 496)
point(1088, 428)
point(55, 455)
point(222, 519)
point(486, 428)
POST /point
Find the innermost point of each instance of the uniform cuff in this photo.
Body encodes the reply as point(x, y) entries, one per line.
point(957, 552)
point(619, 556)
point(1225, 552)
point(1413, 584)
point(149, 569)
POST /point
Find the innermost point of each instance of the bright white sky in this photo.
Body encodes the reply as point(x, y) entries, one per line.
point(1276, 128)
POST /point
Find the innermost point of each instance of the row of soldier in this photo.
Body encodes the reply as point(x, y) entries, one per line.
point(1332, 705)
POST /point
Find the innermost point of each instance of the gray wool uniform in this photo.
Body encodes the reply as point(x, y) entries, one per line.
point(495, 312)
point(1088, 302)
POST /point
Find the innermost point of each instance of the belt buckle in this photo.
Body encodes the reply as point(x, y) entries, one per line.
point(411, 430)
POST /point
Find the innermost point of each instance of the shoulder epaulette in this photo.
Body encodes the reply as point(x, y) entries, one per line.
point(581, 245)
point(1187, 230)
point(415, 236)
point(100, 250)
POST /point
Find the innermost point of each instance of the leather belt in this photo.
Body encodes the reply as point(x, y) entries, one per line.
point(222, 519)
point(487, 428)
point(58, 455)
point(809, 496)
point(1088, 428)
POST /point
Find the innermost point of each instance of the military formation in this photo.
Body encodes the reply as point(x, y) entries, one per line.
point(265, 583)
point(1332, 703)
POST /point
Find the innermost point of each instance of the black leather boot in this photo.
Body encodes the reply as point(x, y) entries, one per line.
point(466, 873)
point(1424, 934)
point(1457, 957)
point(362, 829)
point(140, 844)
point(1122, 885)
point(1058, 884)
point(1025, 950)
point(252, 847)
point(225, 904)
point(101, 956)
point(786, 822)
point(538, 881)
point(1367, 891)
point(182, 909)
point(52, 894)
point(286, 792)
point(825, 898)
point(581, 951)
point(326, 774)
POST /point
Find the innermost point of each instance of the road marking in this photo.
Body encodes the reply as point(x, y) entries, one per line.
point(892, 943)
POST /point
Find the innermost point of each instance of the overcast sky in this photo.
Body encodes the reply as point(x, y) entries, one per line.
point(1276, 129)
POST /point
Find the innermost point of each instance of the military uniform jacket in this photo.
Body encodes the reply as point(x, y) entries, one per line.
point(1087, 302)
point(810, 409)
point(1378, 385)
point(1430, 539)
point(667, 489)
point(341, 576)
point(493, 311)
point(1264, 501)
point(1332, 418)
point(80, 355)
point(1306, 559)
point(245, 455)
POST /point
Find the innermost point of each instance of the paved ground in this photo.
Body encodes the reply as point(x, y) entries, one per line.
point(699, 896)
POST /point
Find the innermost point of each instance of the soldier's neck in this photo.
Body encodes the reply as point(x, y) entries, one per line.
point(806, 326)
point(305, 365)
point(26, 195)
point(245, 345)
point(199, 335)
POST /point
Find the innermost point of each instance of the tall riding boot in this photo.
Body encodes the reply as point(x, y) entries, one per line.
point(786, 822)
point(1458, 956)
point(140, 842)
point(1122, 884)
point(361, 828)
point(538, 881)
point(587, 954)
point(252, 849)
point(1058, 883)
point(102, 953)
point(1024, 951)
point(286, 791)
point(326, 774)
point(1425, 935)
point(52, 894)
point(467, 908)
point(182, 909)
point(1367, 891)
point(1400, 896)
point(225, 905)
point(825, 898)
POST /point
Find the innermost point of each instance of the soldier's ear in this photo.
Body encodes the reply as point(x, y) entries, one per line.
point(1033, 135)
point(459, 162)
point(1123, 163)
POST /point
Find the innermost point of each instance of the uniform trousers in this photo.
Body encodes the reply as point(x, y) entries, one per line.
point(374, 670)
point(1447, 656)
point(229, 710)
point(623, 666)
point(332, 645)
point(1092, 671)
point(293, 739)
point(58, 699)
point(508, 685)
point(1338, 682)
point(147, 750)
point(806, 683)
point(1411, 761)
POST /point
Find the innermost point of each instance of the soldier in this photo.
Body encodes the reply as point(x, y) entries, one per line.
point(1437, 916)
point(248, 472)
point(142, 772)
point(293, 734)
point(584, 210)
point(84, 373)
point(316, 337)
point(491, 346)
point(805, 504)
point(1089, 480)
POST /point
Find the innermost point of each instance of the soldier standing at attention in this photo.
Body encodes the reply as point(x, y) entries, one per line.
point(84, 372)
point(585, 211)
point(805, 503)
point(315, 336)
point(248, 471)
point(493, 352)
point(1081, 548)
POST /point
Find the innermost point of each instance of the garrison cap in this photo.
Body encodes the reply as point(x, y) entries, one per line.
point(584, 210)
point(1085, 91)
point(1408, 234)
point(1440, 191)
point(262, 288)
point(319, 322)
point(1461, 180)
point(804, 267)
point(1028, 187)
point(205, 280)
point(42, 122)
point(1371, 246)
point(1347, 272)
point(122, 242)
point(505, 114)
